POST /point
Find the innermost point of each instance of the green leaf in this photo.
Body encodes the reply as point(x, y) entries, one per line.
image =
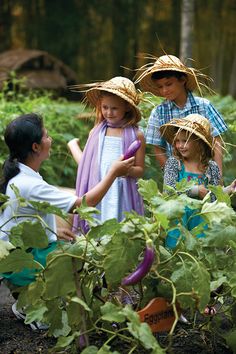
point(32, 234)
point(57, 317)
point(121, 255)
point(87, 213)
point(162, 219)
point(16, 261)
point(231, 339)
point(80, 302)
point(219, 235)
point(60, 267)
point(35, 312)
point(147, 188)
point(90, 350)
point(141, 331)
point(172, 208)
point(109, 227)
point(47, 208)
point(60, 331)
point(193, 278)
point(64, 342)
point(217, 212)
point(220, 195)
point(35, 291)
point(105, 349)
point(184, 185)
point(112, 313)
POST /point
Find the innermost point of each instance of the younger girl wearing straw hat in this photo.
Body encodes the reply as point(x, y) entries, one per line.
point(169, 78)
point(193, 151)
point(117, 116)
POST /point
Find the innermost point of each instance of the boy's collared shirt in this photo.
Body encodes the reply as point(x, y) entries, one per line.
point(168, 110)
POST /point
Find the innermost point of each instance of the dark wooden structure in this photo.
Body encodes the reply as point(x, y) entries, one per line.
point(40, 69)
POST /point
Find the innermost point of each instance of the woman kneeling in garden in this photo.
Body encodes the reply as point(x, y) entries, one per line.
point(29, 145)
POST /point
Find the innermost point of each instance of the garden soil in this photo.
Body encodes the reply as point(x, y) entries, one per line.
point(18, 338)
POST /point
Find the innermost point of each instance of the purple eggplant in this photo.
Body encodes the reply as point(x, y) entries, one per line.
point(131, 151)
point(142, 269)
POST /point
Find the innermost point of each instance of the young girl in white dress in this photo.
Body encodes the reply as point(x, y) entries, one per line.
point(117, 116)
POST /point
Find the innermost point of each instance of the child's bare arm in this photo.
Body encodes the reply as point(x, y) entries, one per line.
point(137, 170)
point(75, 150)
point(202, 191)
point(218, 153)
point(94, 196)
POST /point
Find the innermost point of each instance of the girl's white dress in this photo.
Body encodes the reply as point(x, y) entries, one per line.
point(110, 206)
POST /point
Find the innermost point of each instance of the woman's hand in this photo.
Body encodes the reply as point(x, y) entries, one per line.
point(65, 234)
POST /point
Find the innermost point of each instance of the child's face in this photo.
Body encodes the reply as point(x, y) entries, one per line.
point(187, 146)
point(113, 108)
point(172, 88)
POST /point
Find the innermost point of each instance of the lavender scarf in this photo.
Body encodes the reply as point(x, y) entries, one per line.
point(88, 171)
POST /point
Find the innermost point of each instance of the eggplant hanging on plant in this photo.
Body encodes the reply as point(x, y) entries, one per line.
point(142, 269)
point(132, 149)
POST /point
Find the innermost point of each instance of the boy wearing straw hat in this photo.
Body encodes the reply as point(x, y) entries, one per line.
point(169, 78)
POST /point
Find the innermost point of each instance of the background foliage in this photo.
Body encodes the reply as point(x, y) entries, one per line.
point(98, 38)
point(64, 121)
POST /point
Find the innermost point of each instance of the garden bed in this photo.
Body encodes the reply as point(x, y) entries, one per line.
point(18, 338)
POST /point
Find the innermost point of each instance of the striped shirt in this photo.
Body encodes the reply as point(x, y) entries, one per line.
point(168, 110)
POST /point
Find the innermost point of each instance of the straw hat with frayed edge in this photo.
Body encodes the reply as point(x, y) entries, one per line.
point(193, 123)
point(164, 63)
point(119, 86)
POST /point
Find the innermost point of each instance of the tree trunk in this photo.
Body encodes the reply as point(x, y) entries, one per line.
point(186, 38)
point(232, 81)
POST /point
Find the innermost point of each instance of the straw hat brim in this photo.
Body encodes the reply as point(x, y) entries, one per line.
point(169, 130)
point(149, 85)
point(93, 96)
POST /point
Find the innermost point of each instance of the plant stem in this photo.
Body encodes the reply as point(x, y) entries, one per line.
point(82, 311)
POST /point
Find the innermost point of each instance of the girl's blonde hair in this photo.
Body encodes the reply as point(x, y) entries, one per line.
point(130, 119)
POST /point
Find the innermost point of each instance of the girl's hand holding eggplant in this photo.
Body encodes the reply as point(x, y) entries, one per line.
point(121, 166)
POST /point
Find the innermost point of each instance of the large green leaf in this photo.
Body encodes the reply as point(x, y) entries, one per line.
point(231, 339)
point(192, 277)
point(112, 313)
point(32, 234)
point(141, 331)
point(60, 267)
point(147, 188)
point(217, 212)
point(121, 255)
point(16, 261)
point(109, 227)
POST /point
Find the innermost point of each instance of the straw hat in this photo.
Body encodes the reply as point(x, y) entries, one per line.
point(193, 123)
point(119, 86)
point(166, 63)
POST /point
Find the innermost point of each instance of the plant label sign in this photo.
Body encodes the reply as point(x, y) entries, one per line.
point(158, 314)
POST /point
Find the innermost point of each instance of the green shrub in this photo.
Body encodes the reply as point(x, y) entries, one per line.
point(61, 118)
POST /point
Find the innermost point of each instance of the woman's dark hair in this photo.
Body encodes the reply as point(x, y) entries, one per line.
point(157, 75)
point(20, 134)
